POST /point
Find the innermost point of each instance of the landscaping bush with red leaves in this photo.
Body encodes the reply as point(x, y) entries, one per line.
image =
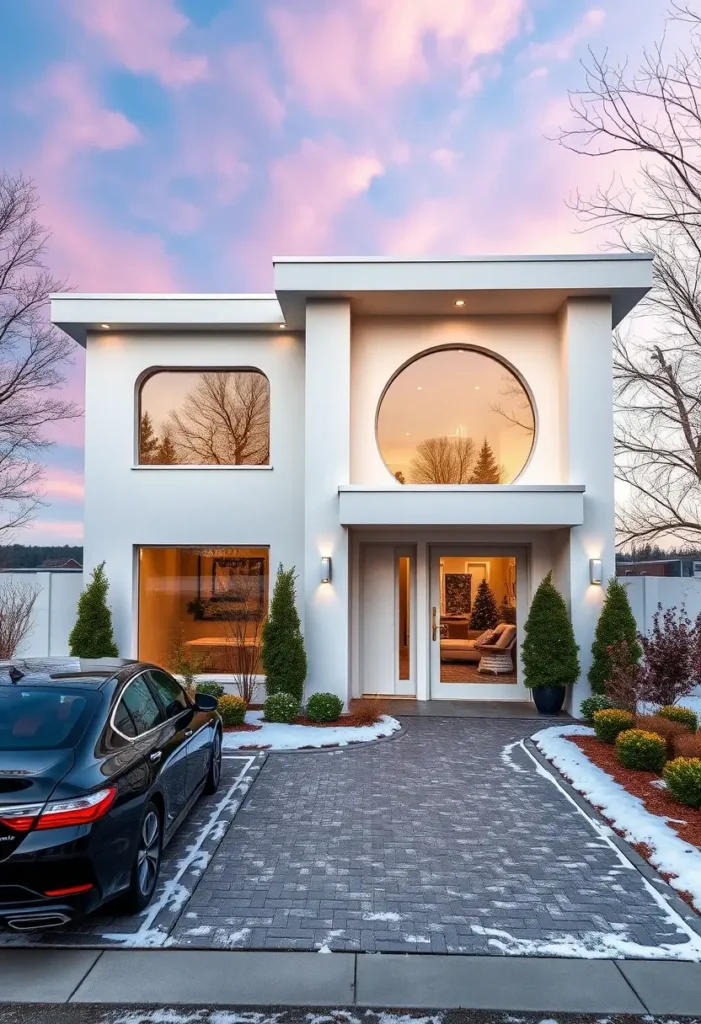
point(669, 731)
point(687, 745)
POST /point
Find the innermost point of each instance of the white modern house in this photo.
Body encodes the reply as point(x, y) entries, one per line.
point(400, 430)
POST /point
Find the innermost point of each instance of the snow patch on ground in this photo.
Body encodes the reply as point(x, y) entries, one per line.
point(508, 760)
point(224, 939)
point(416, 938)
point(279, 736)
point(386, 915)
point(586, 945)
point(324, 947)
point(628, 814)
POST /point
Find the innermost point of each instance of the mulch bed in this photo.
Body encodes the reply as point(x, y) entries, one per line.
point(246, 727)
point(686, 820)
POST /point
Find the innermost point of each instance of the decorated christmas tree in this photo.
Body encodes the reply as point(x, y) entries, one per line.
point(485, 613)
point(486, 470)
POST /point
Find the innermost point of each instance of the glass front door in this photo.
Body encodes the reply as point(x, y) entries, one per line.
point(475, 625)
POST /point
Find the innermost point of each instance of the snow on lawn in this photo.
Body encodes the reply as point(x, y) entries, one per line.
point(626, 812)
point(278, 736)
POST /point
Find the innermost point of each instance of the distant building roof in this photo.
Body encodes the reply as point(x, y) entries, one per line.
point(60, 563)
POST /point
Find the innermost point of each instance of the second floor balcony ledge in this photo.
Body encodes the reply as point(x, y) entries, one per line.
point(529, 505)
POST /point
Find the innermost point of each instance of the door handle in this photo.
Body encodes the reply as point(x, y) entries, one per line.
point(155, 756)
point(188, 732)
point(434, 624)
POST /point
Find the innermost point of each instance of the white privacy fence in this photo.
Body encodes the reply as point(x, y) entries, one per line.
point(646, 593)
point(54, 611)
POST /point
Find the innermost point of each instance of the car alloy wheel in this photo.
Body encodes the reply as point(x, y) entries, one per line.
point(149, 853)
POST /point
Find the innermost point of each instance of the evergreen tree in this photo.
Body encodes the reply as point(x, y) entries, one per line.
point(283, 656)
point(166, 452)
point(549, 651)
point(91, 637)
point(148, 441)
point(616, 624)
point(485, 613)
point(486, 470)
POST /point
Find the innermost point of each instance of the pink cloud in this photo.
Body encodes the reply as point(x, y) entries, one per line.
point(143, 36)
point(78, 121)
point(309, 189)
point(563, 46)
point(62, 484)
point(354, 52)
point(245, 68)
point(51, 531)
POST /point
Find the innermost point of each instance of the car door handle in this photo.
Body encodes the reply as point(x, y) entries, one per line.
point(155, 756)
point(188, 732)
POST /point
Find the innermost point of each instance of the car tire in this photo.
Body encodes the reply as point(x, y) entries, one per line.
point(147, 861)
point(214, 773)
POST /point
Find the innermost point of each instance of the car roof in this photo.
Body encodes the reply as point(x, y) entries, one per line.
point(90, 672)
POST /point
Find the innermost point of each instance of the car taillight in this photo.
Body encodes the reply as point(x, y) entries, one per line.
point(72, 890)
point(60, 813)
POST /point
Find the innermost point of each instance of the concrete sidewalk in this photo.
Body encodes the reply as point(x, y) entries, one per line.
point(208, 978)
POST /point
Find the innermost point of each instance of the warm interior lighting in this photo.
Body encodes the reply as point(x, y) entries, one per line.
point(105, 327)
point(326, 569)
point(282, 326)
point(459, 302)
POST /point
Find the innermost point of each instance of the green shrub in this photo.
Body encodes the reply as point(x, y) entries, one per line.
point(91, 636)
point(609, 722)
point(231, 708)
point(283, 656)
point(324, 707)
point(683, 778)
point(644, 751)
point(281, 707)
point(213, 689)
point(685, 716)
point(549, 650)
point(598, 702)
point(616, 626)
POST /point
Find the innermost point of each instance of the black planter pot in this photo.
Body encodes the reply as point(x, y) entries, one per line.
point(549, 699)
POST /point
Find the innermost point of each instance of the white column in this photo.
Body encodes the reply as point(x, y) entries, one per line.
point(587, 424)
point(326, 466)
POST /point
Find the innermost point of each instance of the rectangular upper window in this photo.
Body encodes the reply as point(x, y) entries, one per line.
point(204, 418)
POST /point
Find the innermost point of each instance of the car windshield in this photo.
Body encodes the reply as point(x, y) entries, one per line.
point(43, 718)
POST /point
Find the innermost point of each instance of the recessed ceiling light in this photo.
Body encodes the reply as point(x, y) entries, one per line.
point(419, 388)
point(105, 327)
point(459, 302)
point(282, 326)
point(477, 387)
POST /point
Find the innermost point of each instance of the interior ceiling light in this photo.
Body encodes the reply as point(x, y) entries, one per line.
point(459, 302)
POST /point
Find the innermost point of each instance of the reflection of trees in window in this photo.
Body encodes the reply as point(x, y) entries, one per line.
point(519, 412)
point(223, 420)
point(443, 460)
point(487, 470)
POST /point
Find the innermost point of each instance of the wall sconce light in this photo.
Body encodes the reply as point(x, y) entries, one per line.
point(326, 569)
point(595, 571)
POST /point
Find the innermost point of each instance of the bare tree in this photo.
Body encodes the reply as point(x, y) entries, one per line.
point(519, 412)
point(654, 116)
point(225, 420)
point(244, 635)
point(443, 460)
point(32, 352)
point(17, 600)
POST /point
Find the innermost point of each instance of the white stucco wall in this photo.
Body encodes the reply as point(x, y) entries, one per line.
point(126, 506)
point(381, 345)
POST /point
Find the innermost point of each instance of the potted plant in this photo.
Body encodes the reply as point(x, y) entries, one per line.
point(549, 651)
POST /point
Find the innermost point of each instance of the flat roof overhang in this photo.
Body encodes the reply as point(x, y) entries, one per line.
point(488, 285)
point(513, 505)
point(78, 314)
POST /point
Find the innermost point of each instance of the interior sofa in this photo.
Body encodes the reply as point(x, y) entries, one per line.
point(454, 649)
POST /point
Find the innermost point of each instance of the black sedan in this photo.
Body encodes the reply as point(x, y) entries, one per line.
point(100, 761)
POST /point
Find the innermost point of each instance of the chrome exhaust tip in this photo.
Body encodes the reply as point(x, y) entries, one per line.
point(32, 922)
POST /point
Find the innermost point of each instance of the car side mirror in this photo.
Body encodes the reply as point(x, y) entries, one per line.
point(205, 702)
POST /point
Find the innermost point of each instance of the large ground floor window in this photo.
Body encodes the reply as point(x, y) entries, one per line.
point(210, 602)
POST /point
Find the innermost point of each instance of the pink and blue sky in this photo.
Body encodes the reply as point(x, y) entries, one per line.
point(179, 144)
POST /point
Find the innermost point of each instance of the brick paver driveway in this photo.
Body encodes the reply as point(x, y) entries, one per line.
point(430, 842)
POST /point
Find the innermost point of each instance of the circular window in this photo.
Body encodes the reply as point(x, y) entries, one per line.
point(455, 416)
